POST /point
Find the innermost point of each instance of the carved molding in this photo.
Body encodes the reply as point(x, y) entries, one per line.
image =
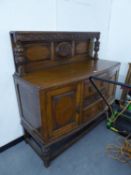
point(19, 53)
point(19, 58)
point(56, 36)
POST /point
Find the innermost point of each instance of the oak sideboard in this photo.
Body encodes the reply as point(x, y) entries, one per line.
point(57, 102)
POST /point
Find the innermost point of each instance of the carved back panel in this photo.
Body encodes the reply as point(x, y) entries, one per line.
point(37, 50)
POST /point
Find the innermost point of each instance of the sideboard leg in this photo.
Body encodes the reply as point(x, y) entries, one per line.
point(26, 136)
point(46, 163)
point(46, 157)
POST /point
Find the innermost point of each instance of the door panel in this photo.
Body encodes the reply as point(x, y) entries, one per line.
point(62, 113)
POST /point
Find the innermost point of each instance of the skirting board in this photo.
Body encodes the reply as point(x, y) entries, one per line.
point(11, 144)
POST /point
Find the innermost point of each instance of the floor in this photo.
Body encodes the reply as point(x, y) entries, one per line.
point(87, 157)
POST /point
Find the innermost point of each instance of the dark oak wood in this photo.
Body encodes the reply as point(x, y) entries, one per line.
point(36, 50)
point(127, 81)
point(56, 99)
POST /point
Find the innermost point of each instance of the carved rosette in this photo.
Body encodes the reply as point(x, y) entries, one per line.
point(64, 49)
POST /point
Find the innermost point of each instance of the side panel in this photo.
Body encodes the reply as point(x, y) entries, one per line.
point(29, 106)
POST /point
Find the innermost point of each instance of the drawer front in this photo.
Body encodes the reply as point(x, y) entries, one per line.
point(108, 90)
point(93, 104)
point(90, 93)
point(89, 90)
point(93, 111)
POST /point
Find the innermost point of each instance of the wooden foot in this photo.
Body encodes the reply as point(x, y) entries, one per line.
point(26, 136)
point(46, 157)
point(46, 163)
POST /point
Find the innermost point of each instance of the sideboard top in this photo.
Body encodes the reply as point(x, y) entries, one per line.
point(34, 51)
point(64, 74)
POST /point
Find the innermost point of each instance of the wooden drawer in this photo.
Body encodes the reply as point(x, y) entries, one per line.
point(95, 97)
point(89, 90)
point(93, 111)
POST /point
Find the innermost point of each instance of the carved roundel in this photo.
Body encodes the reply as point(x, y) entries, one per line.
point(64, 49)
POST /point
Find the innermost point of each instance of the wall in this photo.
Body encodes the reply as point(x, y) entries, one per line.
point(85, 15)
point(119, 47)
point(17, 15)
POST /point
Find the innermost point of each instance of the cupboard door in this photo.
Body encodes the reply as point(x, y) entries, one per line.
point(63, 110)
